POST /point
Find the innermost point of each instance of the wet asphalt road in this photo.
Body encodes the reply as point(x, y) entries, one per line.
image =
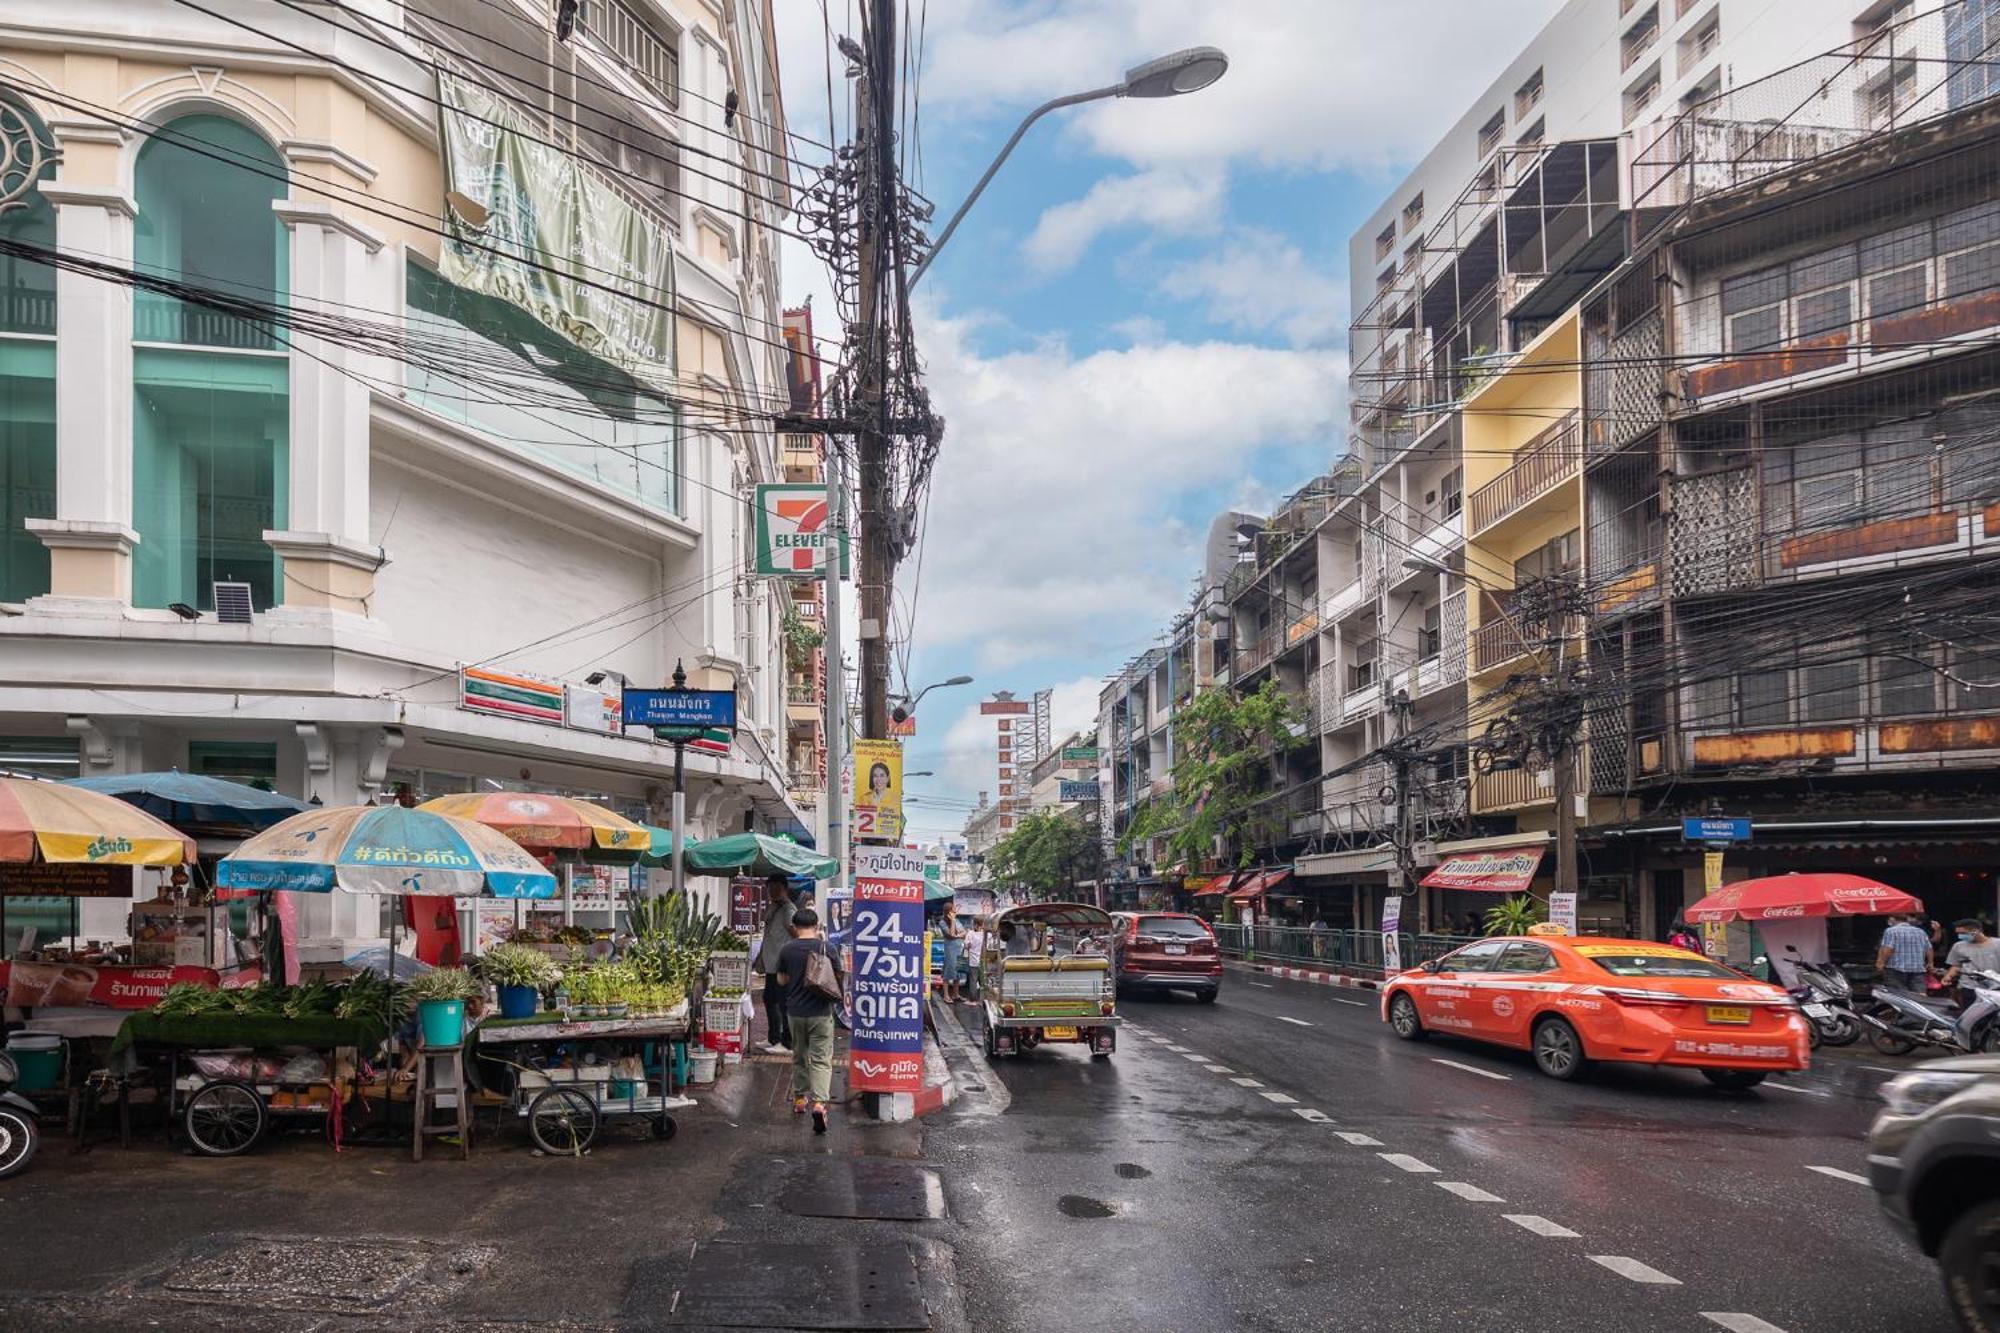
point(1278, 1160)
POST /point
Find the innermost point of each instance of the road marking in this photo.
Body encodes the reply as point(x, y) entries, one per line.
point(1740, 1323)
point(1415, 1166)
point(1358, 1140)
point(1177, 1050)
point(1281, 1098)
point(1879, 1070)
point(1342, 999)
point(1296, 1022)
point(1793, 1087)
point(1541, 1226)
point(1470, 1193)
point(1198, 1059)
point(1634, 1270)
point(1308, 1113)
point(1216, 1069)
point(1246, 1082)
point(1839, 1174)
point(1473, 1069)
point(1263, 985)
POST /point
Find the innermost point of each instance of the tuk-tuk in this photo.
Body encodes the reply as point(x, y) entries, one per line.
point(1051, 982)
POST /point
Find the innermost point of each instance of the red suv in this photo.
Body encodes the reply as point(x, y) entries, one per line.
point(1166, 951)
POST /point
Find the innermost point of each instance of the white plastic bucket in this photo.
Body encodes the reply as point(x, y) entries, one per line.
point(701, 1066)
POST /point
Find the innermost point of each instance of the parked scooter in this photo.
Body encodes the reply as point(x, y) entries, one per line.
point(1826, 998)
point(19, 1136)
point(1900, 1021)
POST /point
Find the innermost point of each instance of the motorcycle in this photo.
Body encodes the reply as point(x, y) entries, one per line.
point(19, 1136)
point(1900, 1021)
point(1826, 997)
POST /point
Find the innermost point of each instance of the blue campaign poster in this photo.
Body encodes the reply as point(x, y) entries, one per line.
point(886, 1052)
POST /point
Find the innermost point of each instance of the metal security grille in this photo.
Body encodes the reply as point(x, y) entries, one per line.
point(1637, 353)
point(1714, 532)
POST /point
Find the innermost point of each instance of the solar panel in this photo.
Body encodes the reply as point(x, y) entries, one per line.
point(232, 603)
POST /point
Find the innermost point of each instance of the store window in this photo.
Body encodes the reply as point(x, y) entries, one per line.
point(27, 356)
point(41, 756)
point(210, 436)
point(253, 763)
point(1763, 699)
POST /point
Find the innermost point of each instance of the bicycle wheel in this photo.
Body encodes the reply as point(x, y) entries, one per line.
point(562, 1122)
point(223, 1119)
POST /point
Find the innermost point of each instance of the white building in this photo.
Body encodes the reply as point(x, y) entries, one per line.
point(410, 474)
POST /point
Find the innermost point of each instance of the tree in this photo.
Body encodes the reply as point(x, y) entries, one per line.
point(1221, 807)
point(1048, 851)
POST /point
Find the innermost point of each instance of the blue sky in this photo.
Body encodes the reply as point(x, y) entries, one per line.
point(1143, 321)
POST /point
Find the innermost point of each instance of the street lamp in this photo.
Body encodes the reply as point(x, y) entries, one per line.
point(1187, 71)
point(901, 712)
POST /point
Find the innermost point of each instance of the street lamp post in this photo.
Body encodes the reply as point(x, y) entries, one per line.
point(903, 710)
point(1173, 75)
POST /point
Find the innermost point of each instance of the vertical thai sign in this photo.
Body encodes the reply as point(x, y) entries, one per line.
point(886, 1053)
point(1392, 943)
point(1714, 934)
point(878, 793)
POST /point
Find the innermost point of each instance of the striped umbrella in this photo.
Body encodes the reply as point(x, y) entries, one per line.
point(385, 849)
point(558, 823)
point(53, 821)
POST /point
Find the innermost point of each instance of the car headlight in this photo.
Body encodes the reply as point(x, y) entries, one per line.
point(1908, 1094)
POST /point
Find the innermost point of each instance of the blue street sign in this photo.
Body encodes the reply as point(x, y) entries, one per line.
point(1715, 830)
point(680, 708)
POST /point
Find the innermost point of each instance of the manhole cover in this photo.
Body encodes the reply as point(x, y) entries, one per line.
point(864, 1187)
point(312, 1273)
point(731, 1284)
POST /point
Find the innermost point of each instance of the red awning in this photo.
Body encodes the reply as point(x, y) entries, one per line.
point(1255, 886)
point(1219, 884)
point(1487, 872)
point(1783, 896)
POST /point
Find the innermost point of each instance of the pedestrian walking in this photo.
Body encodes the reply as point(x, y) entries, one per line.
point(1905, 958)
point(952, 935)
point(975, 949)
point(777, 934)
point(1974, 949)
point(809, 971)
point(1316, 933)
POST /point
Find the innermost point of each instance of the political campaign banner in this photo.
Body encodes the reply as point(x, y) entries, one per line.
point(886, 1051)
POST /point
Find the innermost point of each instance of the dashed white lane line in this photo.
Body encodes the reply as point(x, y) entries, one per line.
point(1358, 1140)
point(1308, 1113)
point(1740, 1323)
point(1342, 999)
point(1263, 985)
point(1194, 1056)
point(1470, 1193)
point(1177, 1050)
point(1216, 1069)
point(1296, 1022)
point(1281, 1098)
point(1635, 1271)
point(1877, 1069)
point(1473, 1069)
point(1839, 1174)
point(1541, 1226)
point(1402, 1160)
point(1793, 1087)
point(1246, 1082)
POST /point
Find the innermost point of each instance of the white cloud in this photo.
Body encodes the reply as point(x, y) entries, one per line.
point(1171, 201)
point(1258, 281)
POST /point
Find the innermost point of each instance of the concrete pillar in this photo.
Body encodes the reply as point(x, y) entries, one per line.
point(91, 537)
point(329, 561)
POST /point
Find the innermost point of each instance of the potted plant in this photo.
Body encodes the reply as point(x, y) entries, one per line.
point(619, 981)
point(519, 972)
point(440, 996)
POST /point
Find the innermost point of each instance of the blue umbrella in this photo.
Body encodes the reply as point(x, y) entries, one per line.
point(184, 799)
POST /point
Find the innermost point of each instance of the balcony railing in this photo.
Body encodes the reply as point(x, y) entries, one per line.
point(1512, 790)
point(802, 694)
point(638, 44)
point(1256, 654)
point(1550, 459)
point(27, 310)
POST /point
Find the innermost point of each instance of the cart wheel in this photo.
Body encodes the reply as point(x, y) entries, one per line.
point(562, 1122)
point(665, 1128)
point(992, 1044)
point(223, 1119)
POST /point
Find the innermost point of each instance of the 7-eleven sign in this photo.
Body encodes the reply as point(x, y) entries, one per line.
point(793, 530)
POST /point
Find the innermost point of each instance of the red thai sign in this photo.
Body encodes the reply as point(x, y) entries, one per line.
point(1487, 872)
point(109, 986)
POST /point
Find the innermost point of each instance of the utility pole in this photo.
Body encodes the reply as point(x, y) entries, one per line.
point(875, 102)
point(1406, 852)
point(836, 667)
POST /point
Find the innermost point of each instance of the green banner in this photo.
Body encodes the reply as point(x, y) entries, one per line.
point(534, 226)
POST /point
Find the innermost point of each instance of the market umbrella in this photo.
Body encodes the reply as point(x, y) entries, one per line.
point(191, 799)
point(385, 849)
point(662, 851)
point(754, 854)
point(1783, 897)
point(560, 823)
point(54, 821)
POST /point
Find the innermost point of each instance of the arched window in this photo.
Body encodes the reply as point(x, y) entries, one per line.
point(210, 443)
point(27, 354)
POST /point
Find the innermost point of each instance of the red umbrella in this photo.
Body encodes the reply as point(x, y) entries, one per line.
point(1779, 897)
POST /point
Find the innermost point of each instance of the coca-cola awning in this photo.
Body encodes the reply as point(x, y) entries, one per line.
point(1778, 897)
point(1487, 872)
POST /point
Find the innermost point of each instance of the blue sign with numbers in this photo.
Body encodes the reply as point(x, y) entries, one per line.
point(1715, 830)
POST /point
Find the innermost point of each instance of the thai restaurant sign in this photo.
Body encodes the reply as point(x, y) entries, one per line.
point(1487, 872)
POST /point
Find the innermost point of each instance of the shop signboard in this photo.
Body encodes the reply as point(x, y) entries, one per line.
point(878, 797)
point(1079, 756)
point(1486, 872)
point(887, 982)
point(1392, 940)
point(66, 879)
point(588, 708)
point(1069, 792)
point(511, 694)
point(793, 531)
point(111, 986)
point(1006, 707)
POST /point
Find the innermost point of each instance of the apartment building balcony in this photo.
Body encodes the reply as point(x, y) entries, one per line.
point(1525, 488)
point(803, 702)
point(1255, 656)
point(803, 458)
point(1355, 595)
point(1501, 642)
point(1360, 700)
point(1512, 789)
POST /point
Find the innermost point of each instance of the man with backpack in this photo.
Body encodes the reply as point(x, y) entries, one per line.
point(809, 971)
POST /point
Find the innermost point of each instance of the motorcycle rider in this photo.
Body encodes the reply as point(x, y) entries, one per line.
point(1974, 949)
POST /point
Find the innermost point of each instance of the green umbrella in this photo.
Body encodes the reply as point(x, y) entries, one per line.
point(661, 853)
point(754, 854)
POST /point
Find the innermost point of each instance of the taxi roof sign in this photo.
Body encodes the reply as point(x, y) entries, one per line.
point(1548, 928)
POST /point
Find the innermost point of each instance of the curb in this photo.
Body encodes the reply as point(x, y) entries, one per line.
point(940, 1087)
point(1305, 974)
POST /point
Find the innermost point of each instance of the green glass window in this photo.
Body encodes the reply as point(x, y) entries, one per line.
point(251, 762)
point(205, 186)
point(27, 157)
point(210, 448)
point(496, 368)
point(27, 363)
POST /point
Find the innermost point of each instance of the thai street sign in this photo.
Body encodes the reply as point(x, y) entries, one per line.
point(1715, 830)
point(1067, 791)
point(695, 710)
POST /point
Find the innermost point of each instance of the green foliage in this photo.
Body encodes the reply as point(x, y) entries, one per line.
point(800, 640)
point(1048, 851)
point(1226, 751)
point(444, 983)
point(1513, 916)
point(510, 964)
point(672, 938)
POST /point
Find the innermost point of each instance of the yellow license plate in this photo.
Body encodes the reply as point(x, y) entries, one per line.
point(1059, 1034)
point(1728, 1013)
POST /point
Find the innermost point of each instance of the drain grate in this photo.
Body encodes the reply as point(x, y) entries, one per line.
point(866, 1187)
point(740, 1284)
point(309, 1273)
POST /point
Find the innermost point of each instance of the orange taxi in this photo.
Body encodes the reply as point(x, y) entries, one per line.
point(1572, 999)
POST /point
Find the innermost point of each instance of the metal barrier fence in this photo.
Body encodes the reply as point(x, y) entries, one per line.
point(1360, 950)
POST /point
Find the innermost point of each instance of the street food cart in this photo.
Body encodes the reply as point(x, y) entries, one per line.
point(569, 1075)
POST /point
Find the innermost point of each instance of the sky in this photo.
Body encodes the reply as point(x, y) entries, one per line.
point(1142, 322)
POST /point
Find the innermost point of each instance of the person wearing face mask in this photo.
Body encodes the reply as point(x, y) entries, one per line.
point(1973, 949)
